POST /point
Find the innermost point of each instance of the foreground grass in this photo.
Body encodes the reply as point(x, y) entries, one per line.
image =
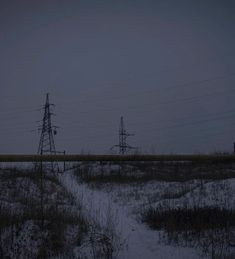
point(188, 204)
point(209, 228)
point(193, 219)
point(37, 221)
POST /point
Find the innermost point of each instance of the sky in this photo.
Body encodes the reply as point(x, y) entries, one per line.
point(167, 67)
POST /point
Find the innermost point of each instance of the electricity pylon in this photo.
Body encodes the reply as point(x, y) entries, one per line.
point(123, 135)
point(47, 143)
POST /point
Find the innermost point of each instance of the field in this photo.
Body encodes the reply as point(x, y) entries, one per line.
point(113, 210)
point(185, 210)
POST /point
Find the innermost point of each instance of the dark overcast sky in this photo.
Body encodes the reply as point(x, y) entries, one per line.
point(167, 66)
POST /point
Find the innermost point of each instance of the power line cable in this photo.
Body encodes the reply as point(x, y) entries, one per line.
point(154, 105)
point(19, 111)
point(105, 124)
point(192, 123)
point(197, 82)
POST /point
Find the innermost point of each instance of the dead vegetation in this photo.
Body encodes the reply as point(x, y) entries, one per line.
point(149, 171)
point(40, 218)
point(210, 229)
point(189, 204)
point(29, 231)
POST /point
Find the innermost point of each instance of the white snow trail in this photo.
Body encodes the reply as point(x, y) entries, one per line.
point(138, 241)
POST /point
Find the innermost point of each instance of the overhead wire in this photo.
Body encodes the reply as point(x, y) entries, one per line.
point(141, 93)
point(19, 111)
point(187, 99)
point(202, 119)
point(169, 141)
point(156, 104)
point(192, 123)
point(131, 124)
point(169, 127)
point(191, 139)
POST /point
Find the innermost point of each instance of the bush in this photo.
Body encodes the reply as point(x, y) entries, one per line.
point(193, 219)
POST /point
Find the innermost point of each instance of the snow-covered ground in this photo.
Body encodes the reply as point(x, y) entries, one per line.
point(27, 230)
point(111, 213)
point(194, 193)
point(135, 240)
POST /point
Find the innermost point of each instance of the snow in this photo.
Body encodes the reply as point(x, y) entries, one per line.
point(112, 209)
point(137, 241)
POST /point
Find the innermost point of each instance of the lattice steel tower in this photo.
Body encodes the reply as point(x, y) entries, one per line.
point(47, 143)
point(123, 134)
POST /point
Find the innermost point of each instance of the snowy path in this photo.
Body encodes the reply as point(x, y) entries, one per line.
point(140, 242)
